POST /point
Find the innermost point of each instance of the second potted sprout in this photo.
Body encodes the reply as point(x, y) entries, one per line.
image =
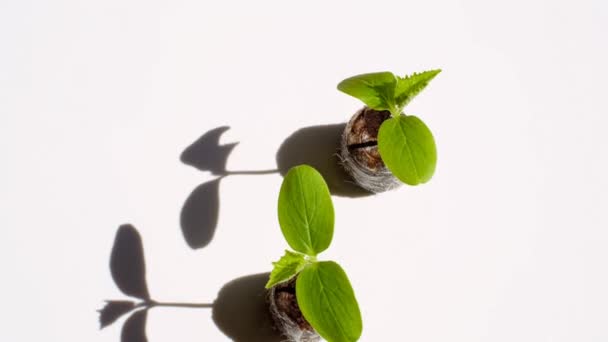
point(309, 298)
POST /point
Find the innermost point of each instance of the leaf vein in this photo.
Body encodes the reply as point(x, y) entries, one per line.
point(409, 151)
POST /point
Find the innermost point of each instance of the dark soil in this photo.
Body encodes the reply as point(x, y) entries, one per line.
point(362, 140)
point(285, 298)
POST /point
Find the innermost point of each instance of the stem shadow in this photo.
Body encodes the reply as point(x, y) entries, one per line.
point(200, 212)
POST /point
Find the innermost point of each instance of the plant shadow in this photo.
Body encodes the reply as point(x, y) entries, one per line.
point(316, 146)
point(200, 212)
point(240, 310)
point(242, 313)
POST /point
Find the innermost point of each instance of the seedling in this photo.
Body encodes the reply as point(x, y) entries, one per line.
point(381, 146)
point(308, 297)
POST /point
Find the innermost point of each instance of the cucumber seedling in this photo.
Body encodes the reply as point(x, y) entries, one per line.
point(308, 298)
point(381, 146)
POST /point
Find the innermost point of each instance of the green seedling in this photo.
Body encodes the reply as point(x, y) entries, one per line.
point(323, 291)
point(405, 143)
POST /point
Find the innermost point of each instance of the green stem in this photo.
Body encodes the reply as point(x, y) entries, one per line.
point(395, 111)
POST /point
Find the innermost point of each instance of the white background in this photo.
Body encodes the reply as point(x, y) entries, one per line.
point(98, 99)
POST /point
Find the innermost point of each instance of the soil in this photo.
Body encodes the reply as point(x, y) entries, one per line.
point(285, 298)
point(362, 140)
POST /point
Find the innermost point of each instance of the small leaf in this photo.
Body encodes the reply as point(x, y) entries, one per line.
point(328, 302)
point(127, 263)
point(408, 149)
point(287, 267)
point(306, 213)
point(113, 310)
point(376, 90)
point(409, 86)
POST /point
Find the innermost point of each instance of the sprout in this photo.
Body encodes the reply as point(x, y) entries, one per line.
point(308, 297)
point(381, 146)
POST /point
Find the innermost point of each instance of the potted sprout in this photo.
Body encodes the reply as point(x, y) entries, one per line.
point(309, 298)
point(381, 146)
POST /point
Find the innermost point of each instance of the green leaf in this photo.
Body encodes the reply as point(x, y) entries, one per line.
point(409, 86)
point(306, 213)
point(376, 90)
point(328, 302)
point(408, 149)
point(288, 266)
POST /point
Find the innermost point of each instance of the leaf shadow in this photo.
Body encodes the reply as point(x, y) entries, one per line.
point(127, 263)
point(134, 329)
point(113, 310)
point(206, 153)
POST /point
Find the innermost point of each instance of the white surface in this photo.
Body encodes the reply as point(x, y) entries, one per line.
point(99, 99)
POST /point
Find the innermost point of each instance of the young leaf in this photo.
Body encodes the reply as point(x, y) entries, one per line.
point(408, 149)
point(328, 302)
point(409, 86)
point(376, 90)
point(306, 213)
point(288, 266)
